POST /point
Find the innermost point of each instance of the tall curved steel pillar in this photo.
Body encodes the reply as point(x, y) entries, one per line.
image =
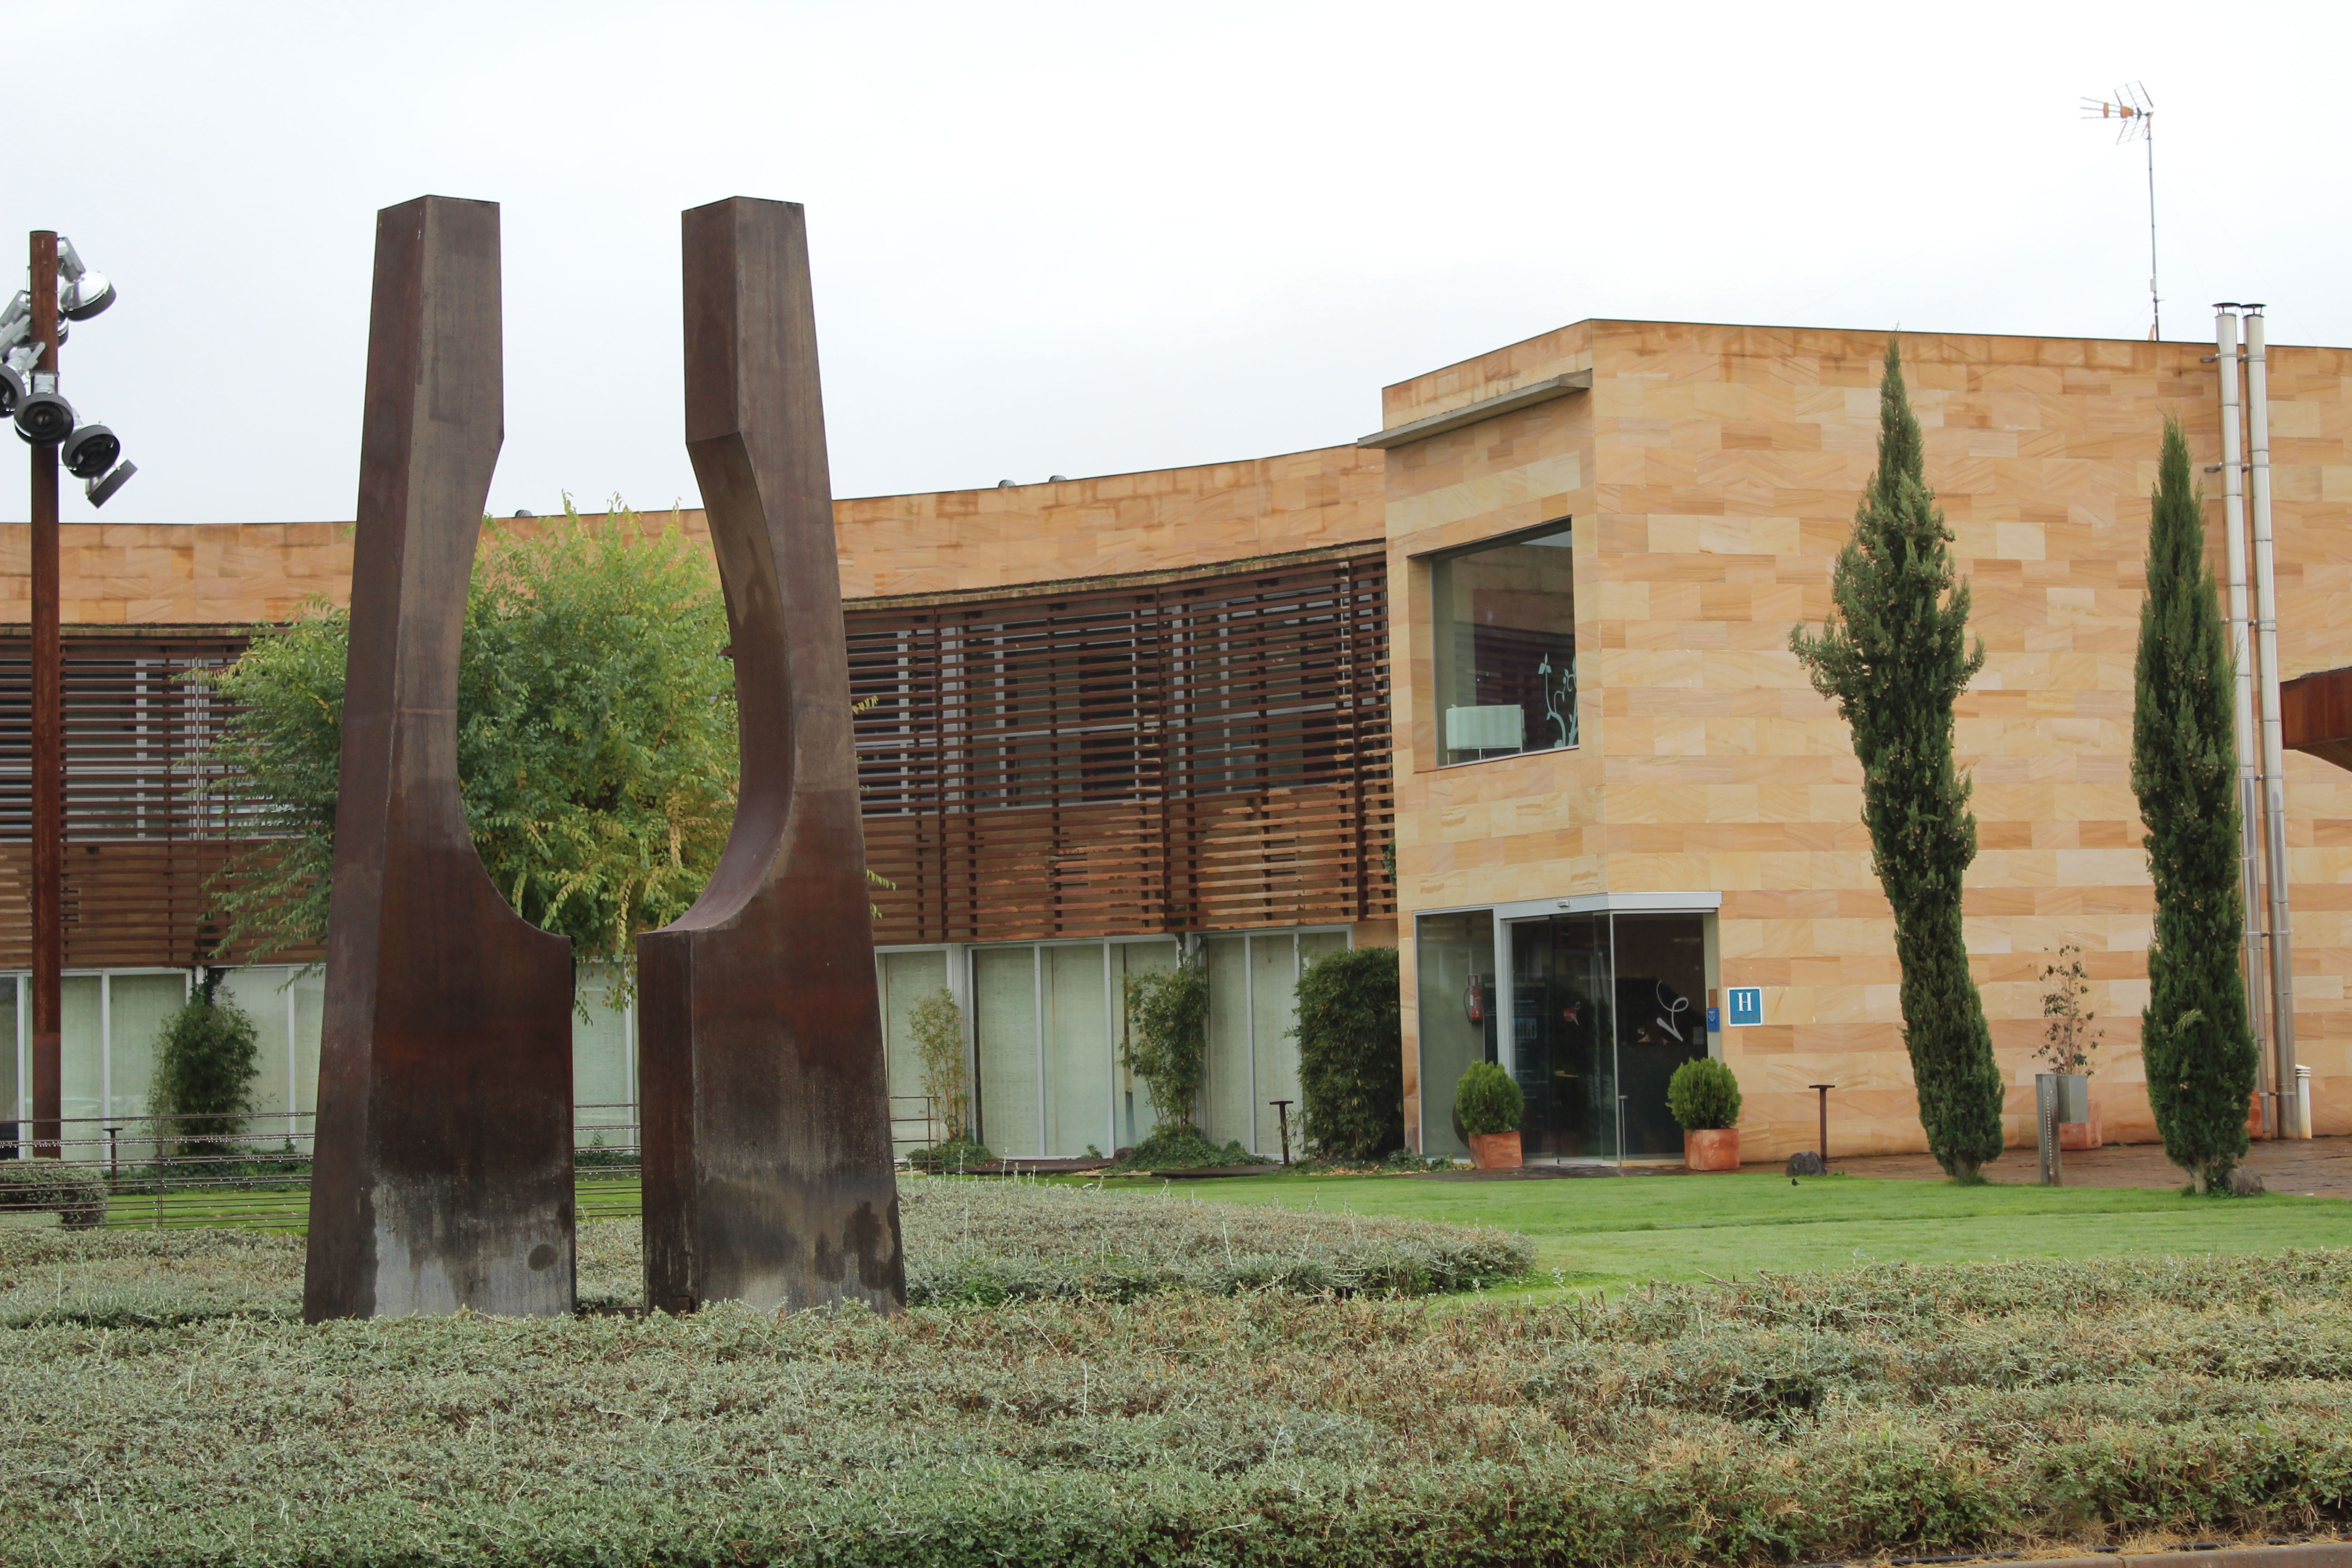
point(442, 1176)
point(768, 1170)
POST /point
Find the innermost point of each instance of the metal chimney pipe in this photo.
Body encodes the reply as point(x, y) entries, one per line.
point(2233, 528)
point(2258, 432)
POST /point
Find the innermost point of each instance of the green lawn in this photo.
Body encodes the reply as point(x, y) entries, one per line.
point(1611, 1232)
point(289, 1208)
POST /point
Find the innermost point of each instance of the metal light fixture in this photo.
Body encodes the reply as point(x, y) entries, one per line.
point(42, 416)
point(100, 490)
point(29, 397)
point(92, 455)
point(14, 369)
point(89, 451)
point(86, 293)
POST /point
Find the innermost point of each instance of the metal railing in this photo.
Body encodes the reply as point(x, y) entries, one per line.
point(184, 1172)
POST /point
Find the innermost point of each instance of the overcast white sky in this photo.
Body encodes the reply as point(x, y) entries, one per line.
point(1088, 239)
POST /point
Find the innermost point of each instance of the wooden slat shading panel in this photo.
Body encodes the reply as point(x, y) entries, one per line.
point(142, 830)
point(1205, 754)
point(1199, 754)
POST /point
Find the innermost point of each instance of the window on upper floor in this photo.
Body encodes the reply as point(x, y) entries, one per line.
point(1504, 619)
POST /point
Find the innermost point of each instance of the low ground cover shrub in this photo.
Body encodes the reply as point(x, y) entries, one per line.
point(1900, 1411)
point(978, 1242)
point(985, 1242)
point(1171, 1148)
point(51, 1186)
point(953, 1156)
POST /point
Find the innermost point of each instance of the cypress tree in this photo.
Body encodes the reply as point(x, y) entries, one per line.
point(1894, 659)
point(2199, 1051)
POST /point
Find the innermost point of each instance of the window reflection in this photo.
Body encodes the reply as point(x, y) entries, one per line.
point(1506, 646)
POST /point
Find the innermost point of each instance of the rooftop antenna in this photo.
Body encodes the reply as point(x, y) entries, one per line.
point(2136, 110)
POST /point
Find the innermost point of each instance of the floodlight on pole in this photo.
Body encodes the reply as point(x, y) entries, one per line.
point(86, 293)
point(2135, 109)
point(33, 326)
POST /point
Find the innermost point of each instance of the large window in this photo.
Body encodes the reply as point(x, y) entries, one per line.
point(1505, 637)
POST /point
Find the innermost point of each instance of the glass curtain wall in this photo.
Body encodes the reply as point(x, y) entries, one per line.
point(1049, 1018)
point(1453, 963)
point(1506, 646)
point(1253, 1055)
point(903, 980)
point(287, 1007)
point(1604, 1008)
point(16, 1045)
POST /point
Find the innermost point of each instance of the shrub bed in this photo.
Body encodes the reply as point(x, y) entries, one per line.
point(1900, 1411)
point(971, 1242)
point(985, 1242)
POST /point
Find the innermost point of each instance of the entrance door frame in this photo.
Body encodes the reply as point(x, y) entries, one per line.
point(1664, 903)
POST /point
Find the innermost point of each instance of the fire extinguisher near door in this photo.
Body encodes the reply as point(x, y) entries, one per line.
point(1474, 1000)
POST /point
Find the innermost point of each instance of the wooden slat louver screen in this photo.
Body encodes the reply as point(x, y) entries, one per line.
point(142, 832)
point(1199, 754)
point(1203, 753)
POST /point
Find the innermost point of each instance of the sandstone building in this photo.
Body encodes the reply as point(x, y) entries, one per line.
point(1527, 644)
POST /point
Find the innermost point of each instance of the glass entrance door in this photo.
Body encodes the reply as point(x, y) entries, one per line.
point(1563, 1040)
point(1661, 993)
point(1604, 1008)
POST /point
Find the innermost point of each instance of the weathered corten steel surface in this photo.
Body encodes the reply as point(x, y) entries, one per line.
point(766, 1139)
point(442, 1176)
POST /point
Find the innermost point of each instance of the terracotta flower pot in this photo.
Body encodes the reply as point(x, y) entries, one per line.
point(1495, 1151)
point(2083, 1136)
point(1711, 1149)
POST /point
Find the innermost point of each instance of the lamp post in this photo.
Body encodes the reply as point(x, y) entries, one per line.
point(31, 327)
point(49, 737)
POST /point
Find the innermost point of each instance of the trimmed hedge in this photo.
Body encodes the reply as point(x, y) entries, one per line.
point(1350, 1056)
point(1895, 1411)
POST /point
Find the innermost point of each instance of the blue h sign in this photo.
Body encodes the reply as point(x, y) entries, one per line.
point(1747, 1004)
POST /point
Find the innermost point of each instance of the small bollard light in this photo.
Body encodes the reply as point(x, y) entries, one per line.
point(114, 1165)
point(1823, 1149)
point(1281, 1116)
point(2057, 1097)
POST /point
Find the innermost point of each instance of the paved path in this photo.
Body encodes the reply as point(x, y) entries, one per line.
point(2319, 1167)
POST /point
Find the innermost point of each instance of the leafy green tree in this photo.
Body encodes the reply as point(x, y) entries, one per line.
point(1167, 1043)
point(206, 1061)
point(1894, 660)
point(2195, 1040)
point(1351, 1054)
point(595, 740)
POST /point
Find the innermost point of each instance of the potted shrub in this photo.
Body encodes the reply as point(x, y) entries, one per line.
point(1490, 1107)
point(1703, 1095)
point(2068, 1040)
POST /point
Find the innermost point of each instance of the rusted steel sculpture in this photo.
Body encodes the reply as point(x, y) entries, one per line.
point(767, 1136)
point(442, 1168)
